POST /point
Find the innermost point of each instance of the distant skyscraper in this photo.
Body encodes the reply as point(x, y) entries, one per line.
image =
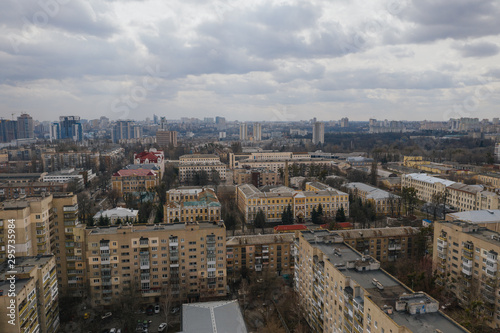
point(25, 127)
point(155, 119)
point(497, 152)
point(220, 122)
point(257, 131)
point(208, 120)
point(124, 130)
point(344, 122)
point(318, 133)
point(8, 130)
point(243, 132)
point(55, 131)
point(163, 123)
point(70, 128)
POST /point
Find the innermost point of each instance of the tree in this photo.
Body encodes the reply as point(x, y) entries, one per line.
point(287, 215)
point(314, 216)
point(340, 215)
point(114, 197)
point(260, 220)
point(230, 222)
point(373, 173)
point(409, 196)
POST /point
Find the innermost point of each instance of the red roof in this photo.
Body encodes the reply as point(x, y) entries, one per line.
point(290, 227)
point(136, 172)
point(341, 225)
point(152, 157)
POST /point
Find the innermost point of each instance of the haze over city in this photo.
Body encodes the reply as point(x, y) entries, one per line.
point(251, 60)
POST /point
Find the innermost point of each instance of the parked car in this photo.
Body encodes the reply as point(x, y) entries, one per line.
point(162, 327)
point(86, 315)
point(113, 330)
point(150, 310)
point(157, 308)
point(119, 331)
point(106, 315)
point(174, 310)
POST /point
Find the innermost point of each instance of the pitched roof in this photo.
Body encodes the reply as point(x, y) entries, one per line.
point(136, 172)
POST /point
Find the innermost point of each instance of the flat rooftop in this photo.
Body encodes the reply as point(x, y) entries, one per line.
point(393, 289)
point(23, 265)
point(145, 228)
point(208, 317)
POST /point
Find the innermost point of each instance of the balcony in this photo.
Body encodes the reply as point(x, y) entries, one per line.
point(442, 242)
point(173, 242)
point(467, 272)
point(258, 268)
point(468, 253)
point(393, 247)
point(144, 265)
point(467, 263)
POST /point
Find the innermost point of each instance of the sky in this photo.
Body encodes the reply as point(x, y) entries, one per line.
point(250, 60)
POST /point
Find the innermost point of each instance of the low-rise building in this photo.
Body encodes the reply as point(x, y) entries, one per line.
point(192, 204)
point(128, 181)
point(465, 257)
point(273, 202)
point(487, 218)
point(257, 177)
point(260, 253)
point(383, 201)
point(343, 291)
point(34, 307)
point(181, 261)
point(192, 164)
point(117, 215)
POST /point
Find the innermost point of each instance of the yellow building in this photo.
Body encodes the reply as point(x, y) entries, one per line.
point(191, 204)
point(184, 261)
point(343, 291)
point(273, 202)
point(138, 180)
point(466, 259)
point(257, 177)
point(35, 305)
point(260, 253)
point(32, 218)
point(490, 179)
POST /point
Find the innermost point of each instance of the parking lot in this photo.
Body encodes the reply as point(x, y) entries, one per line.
point(97, 325)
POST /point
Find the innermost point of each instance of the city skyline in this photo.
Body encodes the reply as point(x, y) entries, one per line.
point(251, 61)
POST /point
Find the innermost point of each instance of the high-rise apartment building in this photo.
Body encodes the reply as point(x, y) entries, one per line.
point(183, 261)
point(8, 130)
point(243, 131)
point(35, 305)
point(257, 132)
point(497, 152)
point(465, 257)
point(124, 130)
point(25, 127)
point(70, 128)
point(344, 122)
point(260, 253)
point(55, 131)
point(343, 291)
point(32, 219)
point(318, 133)
point(166, 138)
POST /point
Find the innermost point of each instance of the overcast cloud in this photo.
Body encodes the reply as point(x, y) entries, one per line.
point(250, 60)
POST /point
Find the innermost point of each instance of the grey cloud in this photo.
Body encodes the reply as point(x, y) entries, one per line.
point(478, 49)
point(441, 19)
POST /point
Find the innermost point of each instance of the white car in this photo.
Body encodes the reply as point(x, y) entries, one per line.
point(157, 309)
point(106, 315)
point(113, 330)
point(162, 327)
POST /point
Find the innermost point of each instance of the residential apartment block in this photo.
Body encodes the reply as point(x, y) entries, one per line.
point(260, 253)
point(466, 259)
point(383, 201)
point(272, 202)
point(257, 177)
point(461, 196)
point(32, 218)
point(192, 204)
point(184, 261)
point(36, 301)
point(190, 165)
point(343, 291)
point(135, 180)
point(383, 244)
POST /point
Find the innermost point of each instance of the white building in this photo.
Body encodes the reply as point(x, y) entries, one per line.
point(119, 213)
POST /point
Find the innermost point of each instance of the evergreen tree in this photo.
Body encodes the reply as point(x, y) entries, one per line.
point(320, 211)
point(314, 216)
point(260, 220)
point(340, 215)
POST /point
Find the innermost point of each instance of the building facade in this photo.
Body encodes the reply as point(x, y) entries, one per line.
point(273, 202)
point(318, 133)
point(35, 306)
point(139, 180)
point(465, 257)
point(384, 202)
point(192, 204)
point(182, 261)
point(166, 138)
point(260, 253)
point(192, 164)
point(257, 177)
point(343, 291)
